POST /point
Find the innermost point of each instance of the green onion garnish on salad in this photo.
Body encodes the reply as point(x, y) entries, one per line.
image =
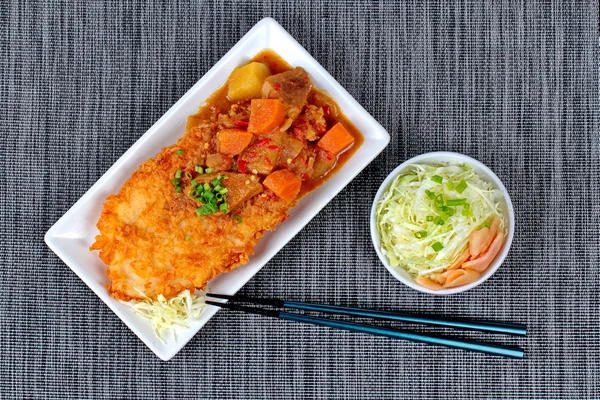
point(461, 187)
point(437, 246)
point(456, 202)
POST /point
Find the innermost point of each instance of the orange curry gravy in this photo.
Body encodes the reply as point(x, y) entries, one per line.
point(219, 102)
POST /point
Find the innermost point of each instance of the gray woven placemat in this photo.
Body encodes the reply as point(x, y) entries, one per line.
point(513, 84)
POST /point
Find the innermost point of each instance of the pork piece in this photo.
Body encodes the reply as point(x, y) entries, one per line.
point(237, 117)
point(324, 162)
point(153, 242)
point(291, 147)
point(303, 165)
point(262, 154)
point(311, 124)
point(218, 162)
point(241, 187)
point(291, 88)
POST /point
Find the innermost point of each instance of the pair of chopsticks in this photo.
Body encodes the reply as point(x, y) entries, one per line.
point(483, 326)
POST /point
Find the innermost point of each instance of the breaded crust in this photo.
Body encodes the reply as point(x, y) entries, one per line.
point(153, 242)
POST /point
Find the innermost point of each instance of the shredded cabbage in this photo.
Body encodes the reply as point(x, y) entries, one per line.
point(166, 315)
point(406, 209)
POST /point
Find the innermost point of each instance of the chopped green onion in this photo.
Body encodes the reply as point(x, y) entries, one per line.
point(461, 186)
point(437, 246)
point(439, 201)
point(188, 175)
point(238, 218)
point(209, 170)
point(188, 237)
point(456, 202)
point(175, 181)
point(421, 234)
point(467, 206)
point(178, 174)
point(450, 185)
point(178, 189)
point(199, 169)
point(430, 194)
point(437, 179)
point(450, 211)
point(439, 220)
point(204, 210)
point(210, 194)
point(179, 152)
point(429, 218)
point(486, 224)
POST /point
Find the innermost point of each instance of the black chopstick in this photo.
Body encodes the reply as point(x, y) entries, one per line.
point(507, 351)
point(484, 326)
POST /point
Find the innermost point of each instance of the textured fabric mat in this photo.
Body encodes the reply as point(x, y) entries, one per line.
point(513, 84)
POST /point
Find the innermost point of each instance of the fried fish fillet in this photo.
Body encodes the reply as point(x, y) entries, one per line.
point(153, 242)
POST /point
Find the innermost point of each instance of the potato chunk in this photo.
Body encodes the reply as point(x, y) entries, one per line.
point(246, 82)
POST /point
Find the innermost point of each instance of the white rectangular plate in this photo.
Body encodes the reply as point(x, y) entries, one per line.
point(72, 234)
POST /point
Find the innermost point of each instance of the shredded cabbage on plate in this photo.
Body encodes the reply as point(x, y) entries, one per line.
point(426, 216)
point(166, 315)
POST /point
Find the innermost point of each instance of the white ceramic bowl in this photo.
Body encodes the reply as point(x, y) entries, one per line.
point(438, 157)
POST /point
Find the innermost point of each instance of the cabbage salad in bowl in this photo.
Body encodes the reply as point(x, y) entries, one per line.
point(441, 222)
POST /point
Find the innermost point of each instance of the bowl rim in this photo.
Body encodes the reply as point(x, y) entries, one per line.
point(443, 156)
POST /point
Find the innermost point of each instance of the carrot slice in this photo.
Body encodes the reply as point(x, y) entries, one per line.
point(439, 278)
point(428, 283)
point(460, 260)
point(265, 115)
point(233, 141)
point(336, 139)
point(483, 262)
point(493, 230)
point(284, 184)
point(477, 239)
point(460, 277)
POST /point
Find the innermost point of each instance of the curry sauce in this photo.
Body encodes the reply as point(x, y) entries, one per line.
point(218, 102)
